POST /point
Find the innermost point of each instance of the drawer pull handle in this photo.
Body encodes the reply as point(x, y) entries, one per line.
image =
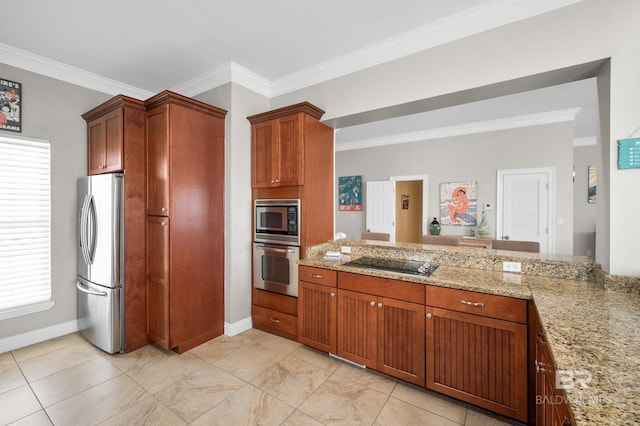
point(274, 320)
point(316, 276)
point(540, 339)
point(476, 304)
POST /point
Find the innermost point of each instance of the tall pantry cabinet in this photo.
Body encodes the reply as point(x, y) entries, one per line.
point(184, 221)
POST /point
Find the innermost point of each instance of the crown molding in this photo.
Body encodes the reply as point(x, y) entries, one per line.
point(47, 67)
point(463, 129)
point(478, 19)
point(225, 73)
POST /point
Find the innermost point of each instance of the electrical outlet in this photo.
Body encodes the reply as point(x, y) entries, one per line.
point(345, 249)
point(512, 266)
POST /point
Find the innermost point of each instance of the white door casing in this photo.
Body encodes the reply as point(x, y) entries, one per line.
point(380, 207)
point(525, 206)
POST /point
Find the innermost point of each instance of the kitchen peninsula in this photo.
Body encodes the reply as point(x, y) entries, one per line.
point(588, 333)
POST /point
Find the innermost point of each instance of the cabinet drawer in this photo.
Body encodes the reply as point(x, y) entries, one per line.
point(318, 275)
point(487, 305)
point(275, 301)
point(274, 320)
point(385, 287)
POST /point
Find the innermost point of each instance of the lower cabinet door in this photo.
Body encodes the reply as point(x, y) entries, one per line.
point(357, 323)
point(317, 315)
point(479, 360)
point(401, 340)
point(158, 280)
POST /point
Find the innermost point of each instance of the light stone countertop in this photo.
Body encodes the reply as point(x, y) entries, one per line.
point(590, 330)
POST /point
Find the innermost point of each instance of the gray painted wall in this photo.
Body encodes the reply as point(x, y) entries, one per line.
point(52, 110)
point(469, 158)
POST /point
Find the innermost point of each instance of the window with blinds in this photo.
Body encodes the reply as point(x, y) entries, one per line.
point(25, 226)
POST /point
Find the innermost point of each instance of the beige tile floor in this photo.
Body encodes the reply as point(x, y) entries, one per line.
point(252, 378)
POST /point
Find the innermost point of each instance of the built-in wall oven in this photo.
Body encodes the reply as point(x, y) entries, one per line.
point(276, 248)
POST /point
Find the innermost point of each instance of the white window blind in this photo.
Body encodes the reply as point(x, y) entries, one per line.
point(25, 226)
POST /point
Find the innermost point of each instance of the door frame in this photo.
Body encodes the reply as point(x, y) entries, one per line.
point(551, 200)
point(425, 200)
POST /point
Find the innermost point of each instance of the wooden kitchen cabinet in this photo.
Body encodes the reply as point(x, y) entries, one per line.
point(275, 313)
point(477, 349)
point(550, 405)
point(279, 139)
point(185, 187)
point(115, 142)
point(317, 308)
point(383, 328)
point(158, 279)
point(105, 143)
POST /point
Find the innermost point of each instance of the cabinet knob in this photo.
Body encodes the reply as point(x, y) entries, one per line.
point(164, 209)
point(429, 315)
point(163, 223)
point(379, 304)
point(372, 303)
point(333, 294)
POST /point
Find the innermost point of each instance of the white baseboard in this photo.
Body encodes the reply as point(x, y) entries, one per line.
point(231, 329)
point(36, 336)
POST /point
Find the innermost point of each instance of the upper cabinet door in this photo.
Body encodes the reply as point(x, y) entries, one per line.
point(106, 140)
point(291, 151)
point(157, 154)
point(277, 152)
point(265, 154)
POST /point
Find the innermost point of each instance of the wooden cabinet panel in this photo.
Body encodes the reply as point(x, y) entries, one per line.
point(395, 289)
point(488, 305)
point(317, 316)
point(265, 154)
point(318, 276)
point(157, 160)
point(357, 327)
point(401, 343)
point(274, 321)
point(291, 167)
point(158, 279)
point(551, 408)
point(106, 143)
point(478, 360)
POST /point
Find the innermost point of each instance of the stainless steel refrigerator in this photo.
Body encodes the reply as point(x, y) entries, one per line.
point(100, 280)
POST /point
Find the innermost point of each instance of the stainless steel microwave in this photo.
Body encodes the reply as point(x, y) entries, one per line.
point(277, 221)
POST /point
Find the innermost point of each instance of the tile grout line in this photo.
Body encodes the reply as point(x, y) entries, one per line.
point(32, 391)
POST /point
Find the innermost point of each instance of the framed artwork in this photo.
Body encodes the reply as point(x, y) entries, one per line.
point(591, 192)
point(459, 203)
point(10, 105)
point(350, 193)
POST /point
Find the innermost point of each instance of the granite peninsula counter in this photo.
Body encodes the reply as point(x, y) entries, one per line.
point(593, 333)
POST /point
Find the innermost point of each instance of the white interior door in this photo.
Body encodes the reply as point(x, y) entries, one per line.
point(380, 207)
point(525, 206)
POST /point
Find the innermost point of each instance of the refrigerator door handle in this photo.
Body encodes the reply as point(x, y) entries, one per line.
point(84, 229)
point(86, 290)
point(92, 220)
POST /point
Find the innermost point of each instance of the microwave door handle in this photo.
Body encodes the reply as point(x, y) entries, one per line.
point(278, 250)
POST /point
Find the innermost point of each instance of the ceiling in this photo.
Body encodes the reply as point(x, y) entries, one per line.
point(142, 47)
